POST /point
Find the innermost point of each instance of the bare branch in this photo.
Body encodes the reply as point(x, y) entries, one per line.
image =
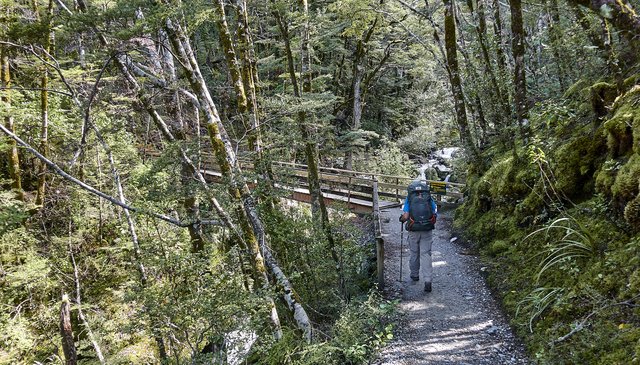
point(94, 191)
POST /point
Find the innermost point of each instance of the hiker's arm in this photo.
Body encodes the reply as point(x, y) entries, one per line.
point(405, 211)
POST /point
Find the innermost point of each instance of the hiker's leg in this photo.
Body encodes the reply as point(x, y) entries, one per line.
point(414, 257)
point(426, 240)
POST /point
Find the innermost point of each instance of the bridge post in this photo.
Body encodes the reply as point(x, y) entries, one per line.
point(349, 193)
point(379, 238)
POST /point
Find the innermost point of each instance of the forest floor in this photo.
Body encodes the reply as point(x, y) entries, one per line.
point(459, 322)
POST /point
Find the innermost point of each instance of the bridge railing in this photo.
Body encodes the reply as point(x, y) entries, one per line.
point(352, 187)
point(359, 185)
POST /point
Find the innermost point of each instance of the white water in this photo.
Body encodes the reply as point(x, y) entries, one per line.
point(441, 154)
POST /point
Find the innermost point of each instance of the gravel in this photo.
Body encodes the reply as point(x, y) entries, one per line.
point(459, 322)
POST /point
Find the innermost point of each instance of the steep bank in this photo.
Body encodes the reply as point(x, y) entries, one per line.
point(558, 228)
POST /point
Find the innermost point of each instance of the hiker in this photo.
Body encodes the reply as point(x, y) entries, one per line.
point(420, 213)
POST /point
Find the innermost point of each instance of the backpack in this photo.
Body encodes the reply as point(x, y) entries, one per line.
point(420, 211)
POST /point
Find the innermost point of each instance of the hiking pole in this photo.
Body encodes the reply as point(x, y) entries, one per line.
point(401, 242)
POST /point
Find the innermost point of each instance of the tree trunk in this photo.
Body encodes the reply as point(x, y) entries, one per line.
point(250, 222)
point(174, 109)
point(13, 158)
point(250, 80)
point(232, 61)
point(499, 34)
point(620, 13)
point(455, 80)
point(501, 98)
point(356, 88)
point(81, 316)
point(594, 37)
point(44, 109)
point(519, 76)
point(555, 35)
point(66, 332)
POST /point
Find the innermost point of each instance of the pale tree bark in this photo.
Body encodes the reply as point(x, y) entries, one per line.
point(81, 315)
point(44, 109)
point(356, 88)
point(455, 80)
point(66, 332)
point(174, 108)
point(250, 222)
point(13, 158)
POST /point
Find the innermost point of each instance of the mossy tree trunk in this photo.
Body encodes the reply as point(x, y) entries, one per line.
point(356, 88)
point(501, 99)
point(44, 107)
point(13, 158)
point(455, 80)
point(519, 75)
point(498, 30)
point(250, 80)
point(620, 13)
point(251, 225)
point(555, 35)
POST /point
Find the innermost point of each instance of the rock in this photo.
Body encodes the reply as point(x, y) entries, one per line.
point(452, 240)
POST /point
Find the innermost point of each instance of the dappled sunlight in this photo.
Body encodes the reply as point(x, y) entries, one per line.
point(439, 263)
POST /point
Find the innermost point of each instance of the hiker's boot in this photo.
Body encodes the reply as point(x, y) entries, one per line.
point(427, 287)
point(415, 278)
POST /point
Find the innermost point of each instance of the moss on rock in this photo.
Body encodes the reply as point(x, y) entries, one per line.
point(576, 163)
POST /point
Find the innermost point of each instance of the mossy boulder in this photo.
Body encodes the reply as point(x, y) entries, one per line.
point(623, 128)
point(498, 247)
point(625, 185)
point(602, 95)
point(575, 164)
point(632, 213)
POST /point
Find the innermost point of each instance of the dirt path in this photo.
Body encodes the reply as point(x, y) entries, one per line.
point(458, 322)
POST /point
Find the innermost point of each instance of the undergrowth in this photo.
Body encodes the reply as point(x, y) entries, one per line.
point(564, 248)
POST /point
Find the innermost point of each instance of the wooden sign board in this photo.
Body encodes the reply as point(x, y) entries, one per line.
point(439, 188)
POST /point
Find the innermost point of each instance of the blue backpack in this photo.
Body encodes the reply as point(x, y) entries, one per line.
point(420, 211)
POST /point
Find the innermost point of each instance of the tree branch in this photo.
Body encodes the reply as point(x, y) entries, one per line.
point(94, 191)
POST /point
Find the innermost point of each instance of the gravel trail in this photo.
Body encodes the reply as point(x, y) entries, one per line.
point(459, 322)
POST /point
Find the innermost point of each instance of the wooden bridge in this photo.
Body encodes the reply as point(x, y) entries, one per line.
point(359, 191)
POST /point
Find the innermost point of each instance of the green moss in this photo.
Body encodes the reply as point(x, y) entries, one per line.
point(497, 247)
point(602, 95)
point(580, 89)
point(631, 81)
point(632, 212)
point(625, 185)
point(623, 129)
point(606, 177)
point(575, 163)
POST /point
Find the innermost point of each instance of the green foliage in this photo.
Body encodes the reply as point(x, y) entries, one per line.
point(362, 328)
